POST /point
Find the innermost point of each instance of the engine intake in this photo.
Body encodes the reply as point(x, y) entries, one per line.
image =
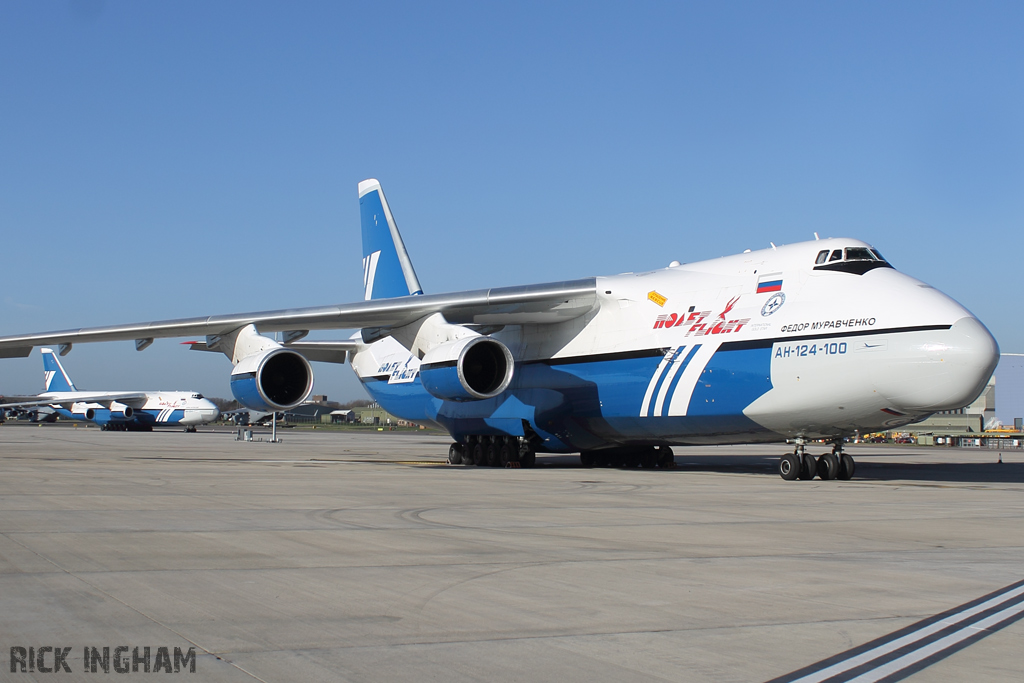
point(275, 379)
point(469, 369)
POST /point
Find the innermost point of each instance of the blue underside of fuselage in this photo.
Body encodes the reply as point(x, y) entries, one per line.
point(141, 417)
point(575, 406)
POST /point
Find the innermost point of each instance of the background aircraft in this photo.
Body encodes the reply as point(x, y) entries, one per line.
point(816, 340)
point(115, 410)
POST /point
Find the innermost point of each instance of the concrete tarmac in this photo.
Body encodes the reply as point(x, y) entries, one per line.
point(362, 556)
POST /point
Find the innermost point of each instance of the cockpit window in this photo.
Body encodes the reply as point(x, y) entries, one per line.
point(822, 257)
point(859, 254)
point(853, 260)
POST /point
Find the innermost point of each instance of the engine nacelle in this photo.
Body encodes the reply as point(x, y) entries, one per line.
point(102, 416)
point(468, 369)
point(121, 412)
point(272, 380)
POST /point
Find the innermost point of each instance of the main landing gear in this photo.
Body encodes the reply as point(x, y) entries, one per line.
point(493, 451)
point(802, 465)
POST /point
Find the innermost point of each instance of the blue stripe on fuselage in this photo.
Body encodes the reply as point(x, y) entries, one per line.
point(587, 404)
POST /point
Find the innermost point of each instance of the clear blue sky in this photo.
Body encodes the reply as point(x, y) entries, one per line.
point(167, 159)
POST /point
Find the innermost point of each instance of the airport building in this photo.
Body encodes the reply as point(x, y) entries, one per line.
point(1010, 390)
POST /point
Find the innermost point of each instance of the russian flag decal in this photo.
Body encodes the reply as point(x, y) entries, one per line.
point(769, 283)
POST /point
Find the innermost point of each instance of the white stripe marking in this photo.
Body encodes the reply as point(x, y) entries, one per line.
point(912, 637)
point(938, 646)
point(678, 363)
point(681, 399)
point(370, 272)
point(654, 380)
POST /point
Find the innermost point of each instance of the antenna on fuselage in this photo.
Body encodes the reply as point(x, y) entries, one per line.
point(773, 245)
point(816, 238)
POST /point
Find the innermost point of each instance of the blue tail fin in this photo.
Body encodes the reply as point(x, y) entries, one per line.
point(54, 377)
point(387, 269)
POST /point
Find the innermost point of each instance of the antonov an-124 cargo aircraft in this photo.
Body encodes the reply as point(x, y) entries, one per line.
point(115, 410)
point(817, 340)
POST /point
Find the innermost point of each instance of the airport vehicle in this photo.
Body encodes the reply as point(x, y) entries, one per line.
point(115, 410)
point(815, 340)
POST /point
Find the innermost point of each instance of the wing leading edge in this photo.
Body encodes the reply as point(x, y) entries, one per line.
point(530, 304)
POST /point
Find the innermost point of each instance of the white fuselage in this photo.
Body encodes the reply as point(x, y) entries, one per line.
point(822, 350)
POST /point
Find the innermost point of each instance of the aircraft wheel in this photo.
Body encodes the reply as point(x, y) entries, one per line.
point(505, 454)
point(631, 459)
point(616, 460)
point(493, 457)
point(810, 468)
point(846, 467)
point(789, 466)
point(666, 459)
point(649, 459)
point(828, 466)
point(586, 459)
point(455, 454)
point(528, 459)
point(479, 455)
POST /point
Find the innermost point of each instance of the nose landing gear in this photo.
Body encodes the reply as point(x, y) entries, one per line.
point(802, 465)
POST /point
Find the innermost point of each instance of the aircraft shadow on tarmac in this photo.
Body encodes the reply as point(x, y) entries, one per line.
point(964, 473)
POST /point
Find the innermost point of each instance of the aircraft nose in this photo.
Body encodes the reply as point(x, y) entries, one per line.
point(938, 370)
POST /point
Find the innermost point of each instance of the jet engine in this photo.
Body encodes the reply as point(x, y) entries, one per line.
point(469, 369)
point(105, 415)
point(272, 380)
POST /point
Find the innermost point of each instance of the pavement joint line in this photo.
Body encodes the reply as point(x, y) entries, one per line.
point(130, 607)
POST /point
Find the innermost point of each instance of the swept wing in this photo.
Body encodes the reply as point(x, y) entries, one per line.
point(530, 304)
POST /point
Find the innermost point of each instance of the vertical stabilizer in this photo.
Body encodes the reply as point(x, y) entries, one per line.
point(54, 377)
point(387, 269)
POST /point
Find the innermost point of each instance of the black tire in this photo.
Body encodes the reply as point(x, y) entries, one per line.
point(455, 454)
point(631, 459)
point(789, 466)
point(846, 467)
point(586, 459)
point(666, 458)
point(493, 456)
point(810, 468)
point(505, 454)
point(616, 459)
point(528, 459)
point(479, 455)
point(828, 467)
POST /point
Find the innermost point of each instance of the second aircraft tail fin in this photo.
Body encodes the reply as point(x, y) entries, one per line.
point(387, 268)
point(54, 377)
